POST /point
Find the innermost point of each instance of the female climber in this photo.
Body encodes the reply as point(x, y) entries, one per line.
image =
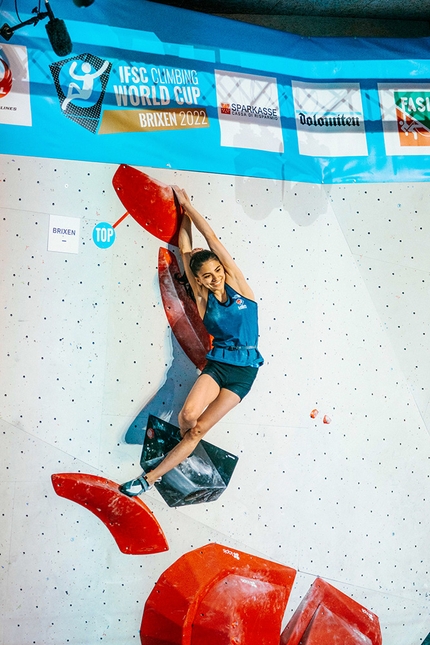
point(227, 306)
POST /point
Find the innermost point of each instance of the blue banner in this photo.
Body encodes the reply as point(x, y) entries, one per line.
point(137, 89)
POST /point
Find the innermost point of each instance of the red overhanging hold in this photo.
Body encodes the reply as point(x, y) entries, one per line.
point(150, 202)
point(131, 523)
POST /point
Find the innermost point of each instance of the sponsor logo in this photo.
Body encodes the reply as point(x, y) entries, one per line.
point(81, 84)
point(6, 80)
point(329, 119)
point(405, 113)
point(413, 117)
point(15, 106)
point(237, 109)
point(235, 555)
point(238, 300)
point(248, 111)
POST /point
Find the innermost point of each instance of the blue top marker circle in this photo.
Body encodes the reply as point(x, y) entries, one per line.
point(104, 235)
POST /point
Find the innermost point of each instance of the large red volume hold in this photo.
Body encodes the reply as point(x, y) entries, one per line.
point(150, 202)
point(131, 523)
point(217, 595)
point(181, 311)
point(351, 612)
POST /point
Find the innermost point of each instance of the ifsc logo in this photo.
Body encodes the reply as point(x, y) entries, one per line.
point(81, 84)
point(5, 78)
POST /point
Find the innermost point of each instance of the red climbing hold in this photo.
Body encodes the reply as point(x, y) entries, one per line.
point(6, 81)
point(132, 524)
point(327, 628)
point(150, 202)
point(216, 595)
point(181, 311)
point(326, 616)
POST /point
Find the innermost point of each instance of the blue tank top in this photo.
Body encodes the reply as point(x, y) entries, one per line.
point(234, 327)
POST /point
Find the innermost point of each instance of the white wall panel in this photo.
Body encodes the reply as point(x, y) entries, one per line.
point(386, 227)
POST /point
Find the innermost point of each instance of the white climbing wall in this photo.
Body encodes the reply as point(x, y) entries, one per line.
point(342, 276)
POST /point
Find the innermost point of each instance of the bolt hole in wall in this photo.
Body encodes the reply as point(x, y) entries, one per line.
point(341, 278)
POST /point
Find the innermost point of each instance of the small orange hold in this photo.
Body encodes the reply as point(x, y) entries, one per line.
point(314, 414)
point(326, 419)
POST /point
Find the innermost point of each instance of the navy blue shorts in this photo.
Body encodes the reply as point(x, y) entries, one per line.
point(236, 378)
